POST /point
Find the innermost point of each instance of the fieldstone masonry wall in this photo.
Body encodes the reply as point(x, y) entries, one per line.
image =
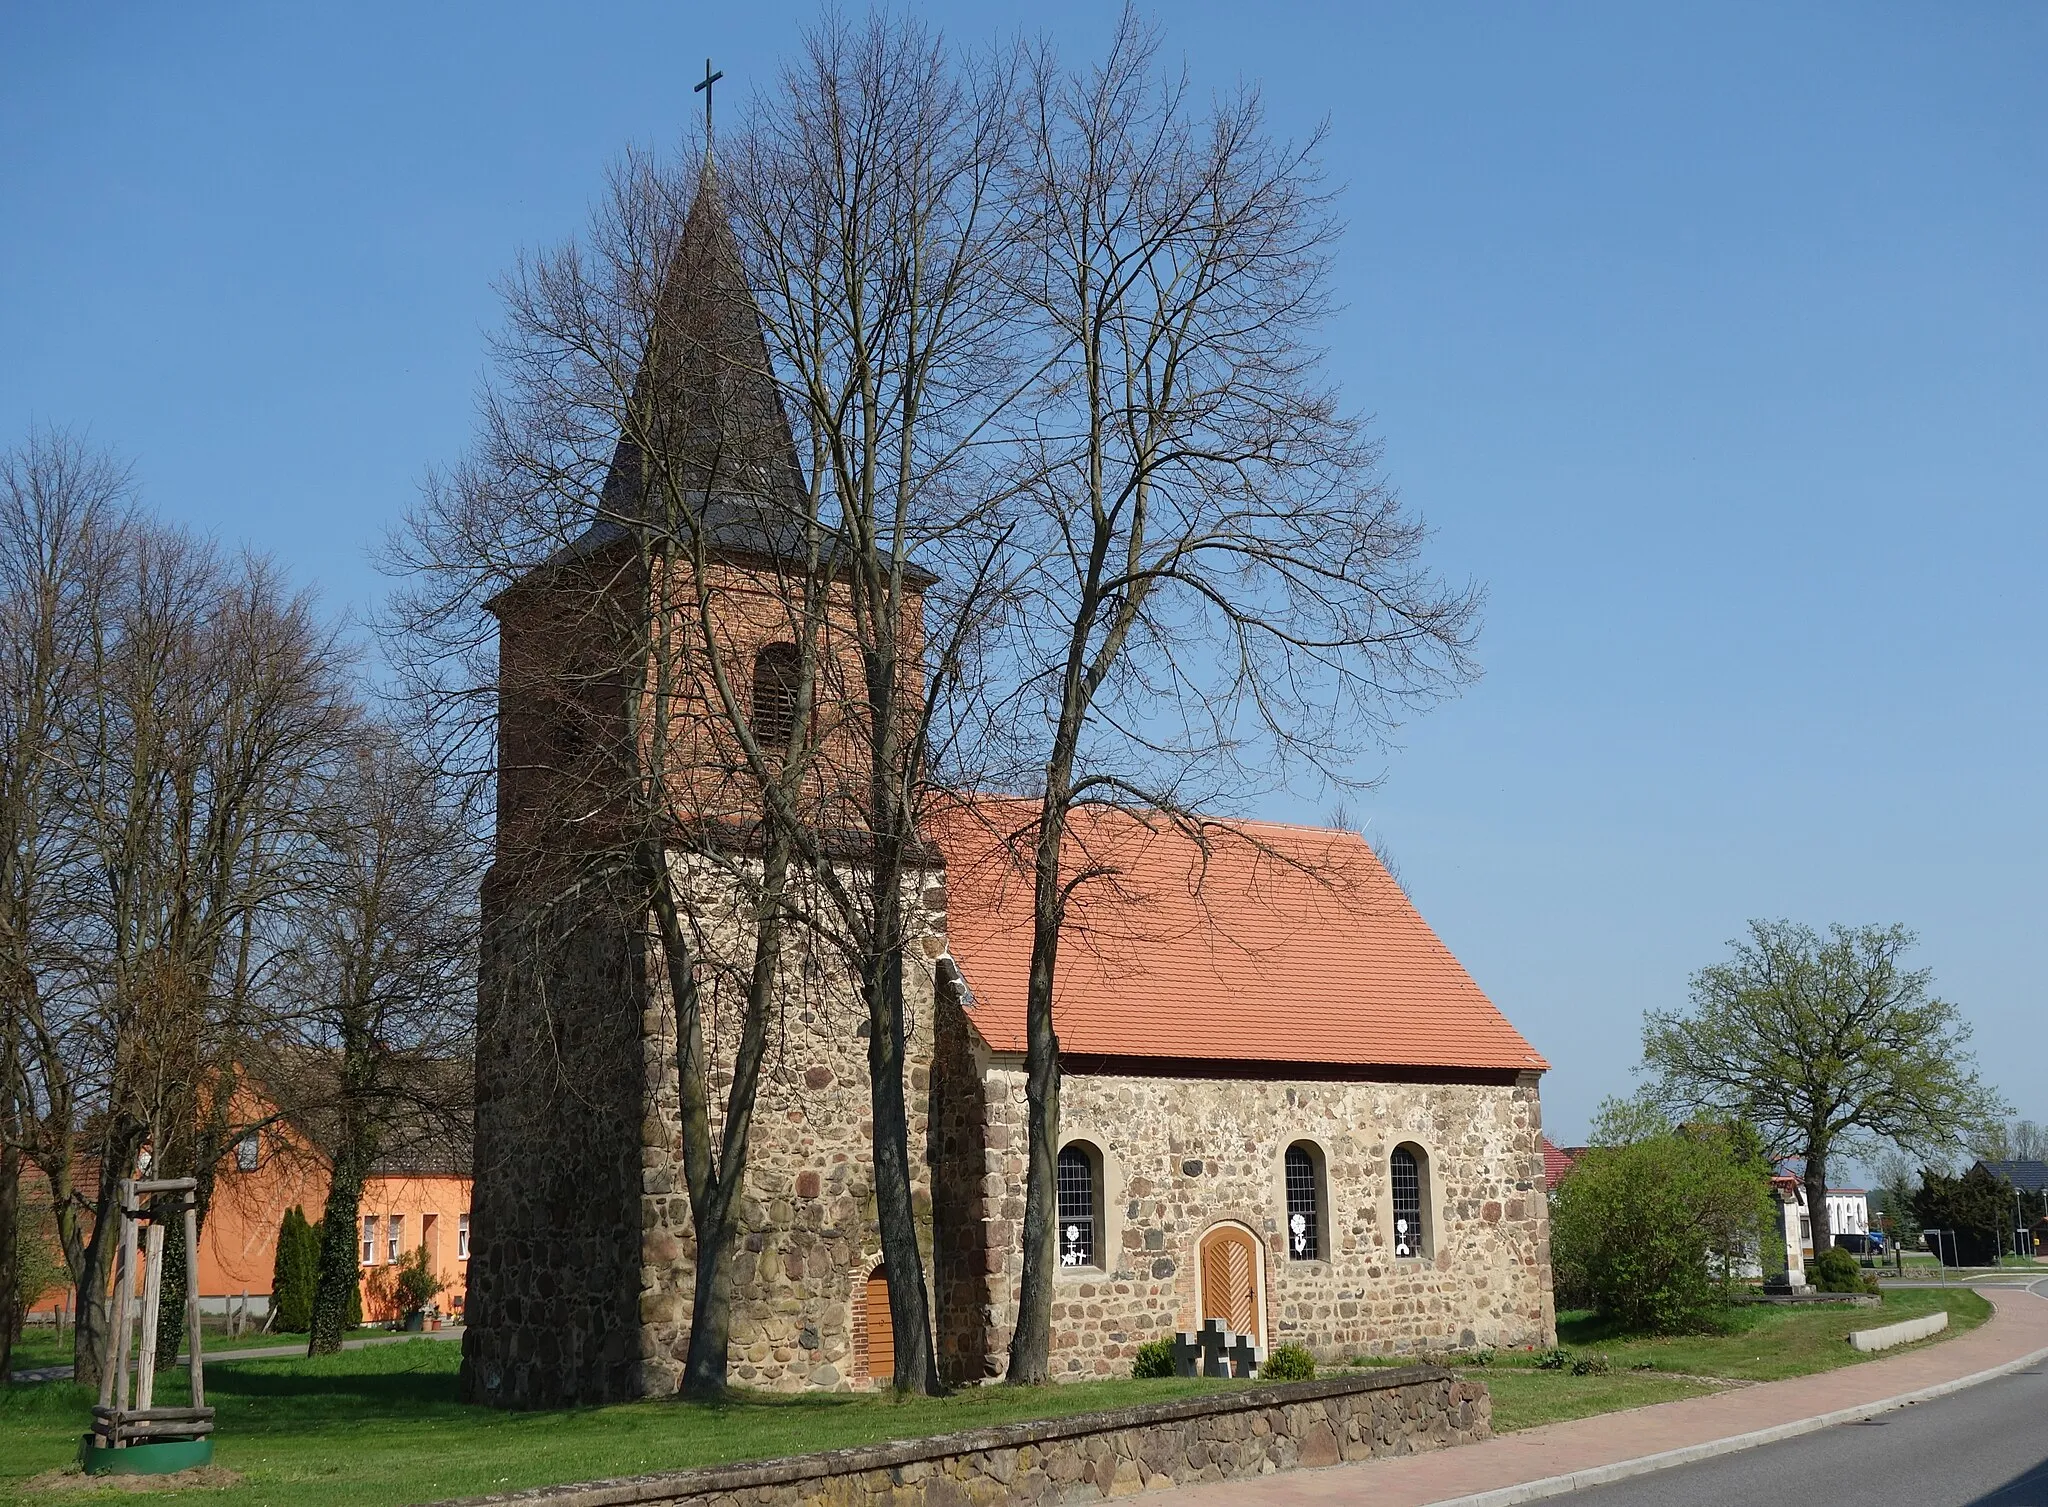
point(554, 1214)
point(810, 1234)
point(1180, 1155)
point(1086, 1458)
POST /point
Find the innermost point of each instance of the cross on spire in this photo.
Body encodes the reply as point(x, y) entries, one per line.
point(704, 89)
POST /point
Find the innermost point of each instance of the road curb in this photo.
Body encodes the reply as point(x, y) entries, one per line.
point(1643, 1465)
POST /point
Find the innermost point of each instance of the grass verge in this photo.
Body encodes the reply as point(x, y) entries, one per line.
point(1756, 1343)
point(41, 1347)
point(382, 1426)
point(1523, 1399)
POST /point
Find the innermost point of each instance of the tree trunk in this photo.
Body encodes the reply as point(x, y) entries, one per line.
point(1817, 1196)
point(170, 1313)
point(340, 1262)
point(910, 1318)
point(1031, 1344)
point(715, 1186)
point(12, 1301)
point(91, 1259)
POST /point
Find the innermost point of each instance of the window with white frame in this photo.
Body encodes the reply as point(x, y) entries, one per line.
point(248, 1152)
point(462, 1238)
point(369, 1240)
point(395, 1237)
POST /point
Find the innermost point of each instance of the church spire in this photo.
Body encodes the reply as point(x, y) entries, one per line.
point(707, 401)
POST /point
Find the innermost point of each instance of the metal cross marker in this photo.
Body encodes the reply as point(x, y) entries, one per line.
point(704, 89)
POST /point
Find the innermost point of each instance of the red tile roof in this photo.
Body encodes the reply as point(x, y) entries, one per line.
point(1557, 1161)
point(1280, 944)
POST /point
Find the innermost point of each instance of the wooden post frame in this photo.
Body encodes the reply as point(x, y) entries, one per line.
point(126, 1420)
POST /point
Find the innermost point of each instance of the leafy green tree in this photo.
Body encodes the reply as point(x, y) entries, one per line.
point(1649, 1225)
point(1827, 1044)
point(1976, 1209)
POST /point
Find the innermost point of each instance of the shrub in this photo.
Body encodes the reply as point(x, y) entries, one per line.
point(1835, 1270)
point(416, 1286)
point(1288, 1363)
point(1591, 1365)
point(1647, 1229)
point(1554, 1360)
point(1154, 1359)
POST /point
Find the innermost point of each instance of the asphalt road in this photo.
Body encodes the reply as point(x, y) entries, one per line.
point(1986, 1446)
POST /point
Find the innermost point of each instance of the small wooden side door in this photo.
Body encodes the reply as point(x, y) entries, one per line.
point(881, 1331)
point(1230, 1280)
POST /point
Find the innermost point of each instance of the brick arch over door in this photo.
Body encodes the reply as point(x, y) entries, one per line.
point(1231, 1270)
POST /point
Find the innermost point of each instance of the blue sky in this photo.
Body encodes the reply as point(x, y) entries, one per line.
point(1716, 344)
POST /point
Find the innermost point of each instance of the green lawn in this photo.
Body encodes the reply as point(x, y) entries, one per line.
point(40, 1346)
point(382, 1426)
point(1757, 1343)
point(1522, 1398)
point(1763, 1342)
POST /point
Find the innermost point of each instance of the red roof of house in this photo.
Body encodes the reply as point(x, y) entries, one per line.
point(1557, 1161)
point(1277, 943)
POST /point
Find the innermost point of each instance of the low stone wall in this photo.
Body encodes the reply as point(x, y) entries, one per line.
point(1087, 1457)
point(1902, 1333)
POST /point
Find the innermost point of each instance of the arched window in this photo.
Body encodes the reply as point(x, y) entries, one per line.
point(1078, 1212)
point(1411, 1235)
point(1304, 1203)
point(776, 671)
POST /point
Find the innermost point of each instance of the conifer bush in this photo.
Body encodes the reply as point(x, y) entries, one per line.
point(294, 1273)
point(1835, 1270)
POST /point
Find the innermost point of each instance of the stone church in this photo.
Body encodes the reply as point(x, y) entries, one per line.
point(1285, 1104)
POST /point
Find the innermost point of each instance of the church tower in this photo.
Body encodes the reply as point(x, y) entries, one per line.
point(581, 1279)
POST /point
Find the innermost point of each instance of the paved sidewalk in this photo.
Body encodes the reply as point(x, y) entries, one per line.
point(2018, 1329)
point(265, 1352)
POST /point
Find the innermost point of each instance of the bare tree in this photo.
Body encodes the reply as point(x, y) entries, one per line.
point(195, 700)
point(870, 198)
point(2011, 1140)
point(377, 974)
point(63, 511)
point(1229, 597)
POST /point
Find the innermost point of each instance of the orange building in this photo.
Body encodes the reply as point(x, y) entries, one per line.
point(416, 1195)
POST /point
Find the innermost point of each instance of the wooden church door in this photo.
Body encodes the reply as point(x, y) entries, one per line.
point(1230, 1280)
point(881, 1329)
